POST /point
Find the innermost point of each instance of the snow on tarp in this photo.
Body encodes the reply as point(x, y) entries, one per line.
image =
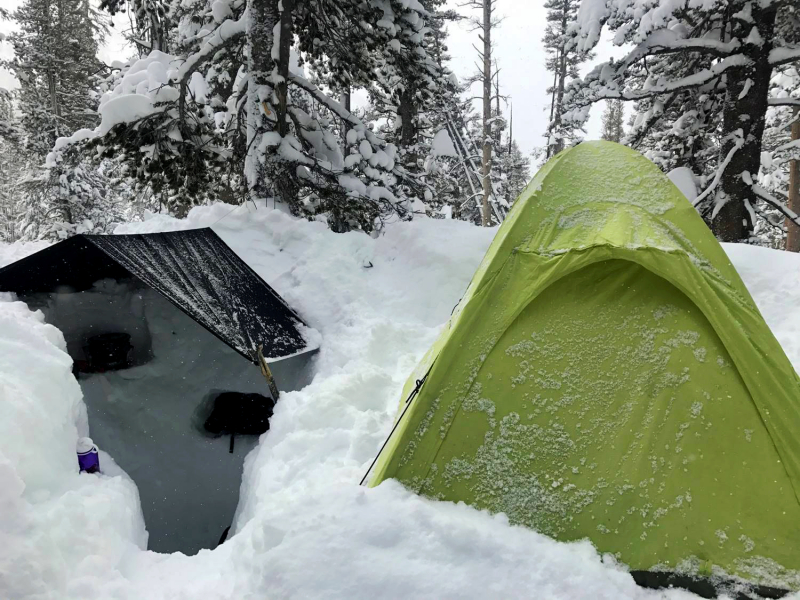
point(194, 269)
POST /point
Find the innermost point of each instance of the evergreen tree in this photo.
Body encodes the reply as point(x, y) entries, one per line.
point(562, 60)
point(515, 171)
point(55, 62)
point(678, 129)
point(613, 116)
point(55, 51)
point(10, 166)
point(725, 51)
point(228, 113)
point(152, 20)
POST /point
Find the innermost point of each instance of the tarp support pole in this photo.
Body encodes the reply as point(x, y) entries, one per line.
point(267, 373)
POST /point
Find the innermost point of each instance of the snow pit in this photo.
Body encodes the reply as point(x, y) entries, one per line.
point(303, 528)
point(149, 416)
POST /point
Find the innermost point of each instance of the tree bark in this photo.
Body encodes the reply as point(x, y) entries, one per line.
point(157, 34)
point(284, 47)
point(745, 111)
point(511, 128)
point(285, 184)
point(55, 41)
point(407, 111)
point(561, 80)
point(793, 230)
point(344, 98)
point(486, 163)
point(262, 16)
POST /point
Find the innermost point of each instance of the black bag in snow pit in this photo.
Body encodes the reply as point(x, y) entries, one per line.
point(239, 413)
point(108, 351)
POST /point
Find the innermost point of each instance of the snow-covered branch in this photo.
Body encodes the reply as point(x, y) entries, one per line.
point(738, 142)
point(793, 145)
point(772, 200)
point(664, 41)
point(784, 101)
point(784, 55)
point(592, 89)
point(227, 32)
point(337, 108)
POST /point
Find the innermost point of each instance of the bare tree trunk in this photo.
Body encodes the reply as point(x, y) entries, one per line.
point(793, 230)
point(52, 77)
point(344, 98)
point(262, 16)
point(284, 47)
point(496, 122)
point(408, 134)
point(486, 217)
point(157, 41)
point(560, 80)
point(497, 131)
point(744, 117)
point(285, 184)
point(510, 128)
point(555, 87)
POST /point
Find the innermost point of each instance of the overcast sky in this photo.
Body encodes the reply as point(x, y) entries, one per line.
point(520, 58)
point(518, 50)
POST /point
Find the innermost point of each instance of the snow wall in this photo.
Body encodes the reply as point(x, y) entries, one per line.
point(147, 416)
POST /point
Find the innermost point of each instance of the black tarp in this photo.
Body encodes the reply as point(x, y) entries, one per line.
point(193, 269)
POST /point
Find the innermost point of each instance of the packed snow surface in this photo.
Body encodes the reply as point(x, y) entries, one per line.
point(304, 528)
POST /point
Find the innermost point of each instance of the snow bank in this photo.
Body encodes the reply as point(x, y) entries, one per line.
point(60, 532)
point(773, 278)
point(10, 253)
point(304, 528)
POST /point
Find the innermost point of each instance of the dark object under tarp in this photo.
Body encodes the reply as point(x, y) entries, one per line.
point(193, 269)
point(108, 351)
point(239, 413)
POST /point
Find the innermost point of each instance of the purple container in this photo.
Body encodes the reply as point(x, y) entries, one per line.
point(88, 458)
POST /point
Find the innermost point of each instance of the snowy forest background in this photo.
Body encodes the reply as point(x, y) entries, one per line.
point(349, 111)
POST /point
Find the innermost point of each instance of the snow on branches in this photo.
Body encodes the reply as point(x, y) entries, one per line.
point(705, 67)
point(230, 112)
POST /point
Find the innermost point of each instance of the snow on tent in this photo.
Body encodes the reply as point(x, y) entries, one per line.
point(607, 376)
point(164, 331)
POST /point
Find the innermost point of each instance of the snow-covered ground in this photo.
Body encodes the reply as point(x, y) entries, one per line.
point(304, 528)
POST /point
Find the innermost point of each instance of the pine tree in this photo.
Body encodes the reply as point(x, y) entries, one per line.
point(152, 20)
point(55, 62)
point(563, 61)
point(516, 171)
point(10, 165)
point(226, 113)
point(613, 116)
point(485, 23)
point(726, 50)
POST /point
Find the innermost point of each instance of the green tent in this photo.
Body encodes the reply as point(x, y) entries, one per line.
point(607, 376)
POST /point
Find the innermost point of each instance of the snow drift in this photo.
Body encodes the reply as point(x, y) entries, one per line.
point(303, 527)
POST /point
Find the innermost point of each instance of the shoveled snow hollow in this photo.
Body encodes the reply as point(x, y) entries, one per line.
point(304, 528)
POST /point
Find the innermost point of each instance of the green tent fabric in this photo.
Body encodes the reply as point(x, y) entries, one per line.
point(607, 376)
